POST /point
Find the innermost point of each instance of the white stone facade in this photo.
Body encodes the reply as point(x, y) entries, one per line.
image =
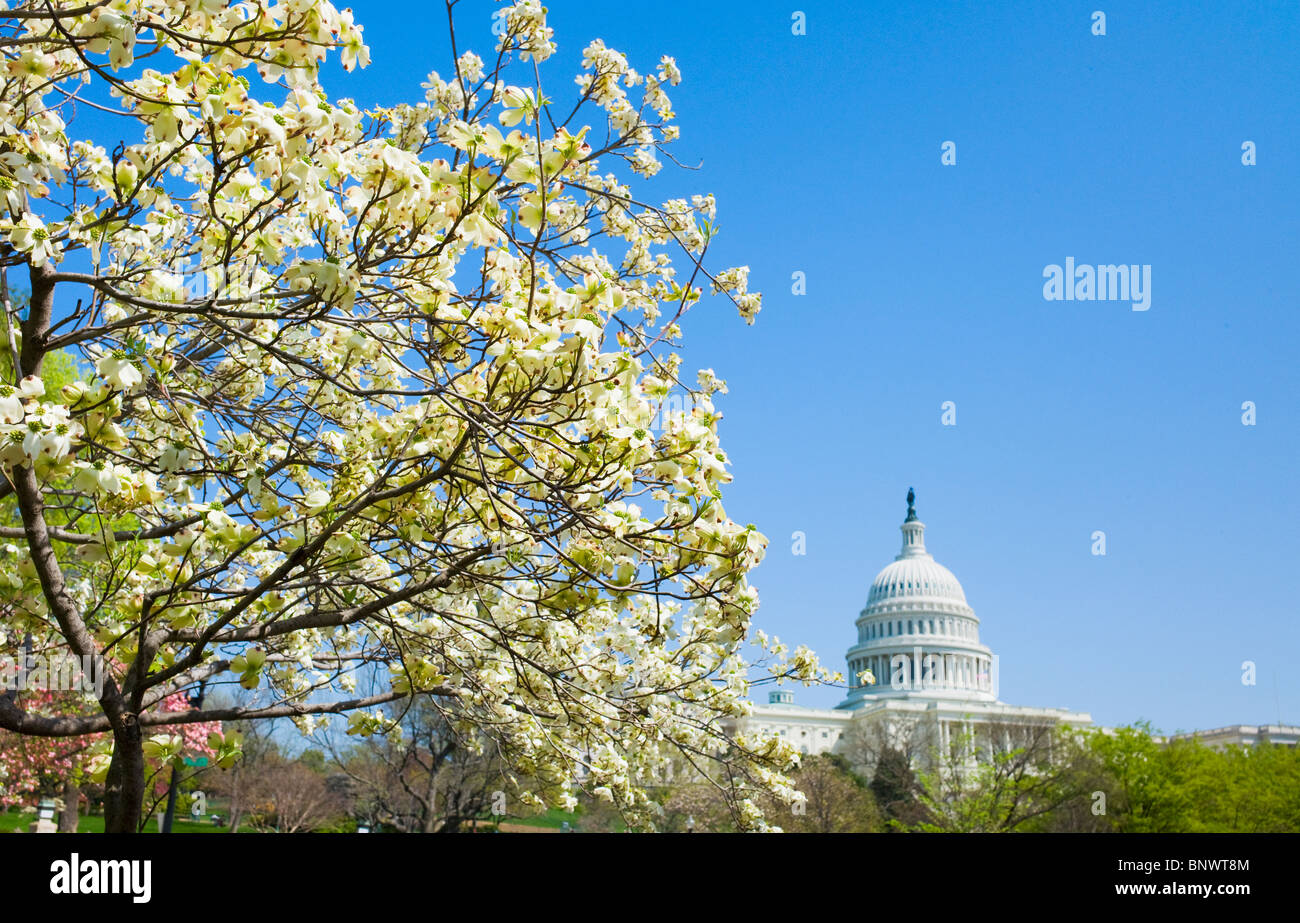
point(1245, 735)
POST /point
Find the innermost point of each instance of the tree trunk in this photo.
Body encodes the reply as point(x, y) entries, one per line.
point(71, 807)
point(236, 806)
point(124, 787)
point(431, 805)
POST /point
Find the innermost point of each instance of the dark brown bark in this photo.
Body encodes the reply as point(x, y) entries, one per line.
point(40, 309)
point(71, 807)
point(124, 787)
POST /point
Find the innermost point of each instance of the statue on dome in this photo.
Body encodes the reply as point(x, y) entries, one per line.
point(911, 505)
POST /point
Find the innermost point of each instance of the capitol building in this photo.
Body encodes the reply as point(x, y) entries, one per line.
point(920, 680)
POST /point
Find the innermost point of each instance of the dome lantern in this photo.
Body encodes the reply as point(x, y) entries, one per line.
point(913, 531)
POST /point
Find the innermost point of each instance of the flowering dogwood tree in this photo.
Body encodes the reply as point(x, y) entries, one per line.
point(373, 390)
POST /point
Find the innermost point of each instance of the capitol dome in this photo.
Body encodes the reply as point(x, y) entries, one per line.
point(916, 578)
point(917, 636)
point(921, 683)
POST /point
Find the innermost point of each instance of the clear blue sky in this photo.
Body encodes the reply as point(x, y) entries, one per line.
point(924, 285)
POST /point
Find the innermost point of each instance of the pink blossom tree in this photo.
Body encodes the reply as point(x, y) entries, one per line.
point(33, 766)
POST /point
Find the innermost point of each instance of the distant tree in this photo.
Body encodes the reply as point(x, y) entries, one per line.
point(313, 760)
point(238, 784)
point(1261, 790)
point(595, 815)
point(1143, 784)
point(837, 800)
point(888, 752)
point(1009, 787)
point(1181, 785)
point(697, 807)
point(1084, 805)
point(431, 775)
point(897, 791)
point(291, 797)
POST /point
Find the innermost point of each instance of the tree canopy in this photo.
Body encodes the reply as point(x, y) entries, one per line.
point(373, 389)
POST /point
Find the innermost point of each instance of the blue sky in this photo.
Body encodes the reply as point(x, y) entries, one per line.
point(924, 285)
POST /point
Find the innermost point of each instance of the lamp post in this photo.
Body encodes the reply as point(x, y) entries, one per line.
point(196, 702)
point(45, 809)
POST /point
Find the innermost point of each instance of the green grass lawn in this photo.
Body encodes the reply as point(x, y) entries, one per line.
point(11, 821)
point(553, 818)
